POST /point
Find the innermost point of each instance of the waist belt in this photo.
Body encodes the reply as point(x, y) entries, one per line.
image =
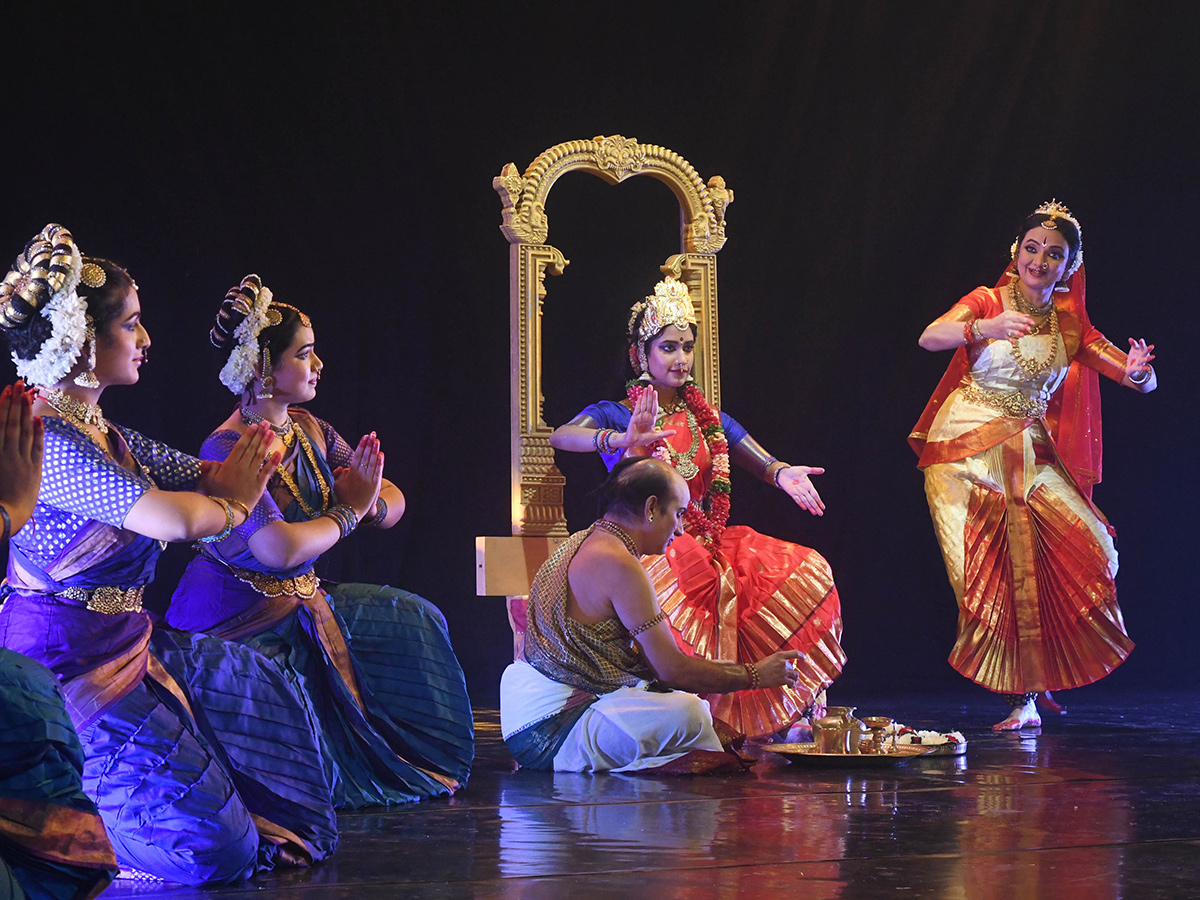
point(106, 599)
point(272, 586)
point(1014, 405)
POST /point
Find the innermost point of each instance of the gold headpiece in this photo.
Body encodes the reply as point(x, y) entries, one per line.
point(1055, 211)
point(670, 304)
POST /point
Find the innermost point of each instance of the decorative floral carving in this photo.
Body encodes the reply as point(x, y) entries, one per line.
point(619, 155)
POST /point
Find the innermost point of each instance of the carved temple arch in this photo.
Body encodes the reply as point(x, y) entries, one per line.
point(537, 484)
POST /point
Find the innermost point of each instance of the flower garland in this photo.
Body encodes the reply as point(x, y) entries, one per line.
point(242, 366)
point(704, 519)
point(67, 313)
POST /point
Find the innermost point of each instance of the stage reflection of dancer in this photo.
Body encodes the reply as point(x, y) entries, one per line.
point(52, 842)
point(587, 698)
point(730, 593)
point(177, 802)
point(374, 663)
point(1010, 446)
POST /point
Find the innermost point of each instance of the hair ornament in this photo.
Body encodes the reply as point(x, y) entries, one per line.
point(670, 304)
point(254, 301)
point(92, 275)
point(44, 279)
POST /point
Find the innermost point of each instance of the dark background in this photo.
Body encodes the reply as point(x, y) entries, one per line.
point(881, 156)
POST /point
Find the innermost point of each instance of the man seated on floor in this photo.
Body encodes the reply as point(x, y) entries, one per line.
point(603, 686)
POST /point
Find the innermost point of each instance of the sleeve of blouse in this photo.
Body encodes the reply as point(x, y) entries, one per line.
point(734, 432)
point(979, 304)
point(217, 447)
point(170, 469)
point(337, 450)
point(1099, 353)
point(79, 478)
point(606, 414)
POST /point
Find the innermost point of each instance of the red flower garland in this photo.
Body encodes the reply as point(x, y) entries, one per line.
point(706, 527)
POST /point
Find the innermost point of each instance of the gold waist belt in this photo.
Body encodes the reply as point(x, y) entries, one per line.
point(272, 586)
point(107, 600)
point(1015, 405)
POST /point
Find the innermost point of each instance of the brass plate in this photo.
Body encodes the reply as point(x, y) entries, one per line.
point(807, 753)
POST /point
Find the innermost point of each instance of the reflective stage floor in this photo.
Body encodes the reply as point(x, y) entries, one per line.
point(1101, 803)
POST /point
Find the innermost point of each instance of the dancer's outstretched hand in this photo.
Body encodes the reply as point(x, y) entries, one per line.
point(794, 480)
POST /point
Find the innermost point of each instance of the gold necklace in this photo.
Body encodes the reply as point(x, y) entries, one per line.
point(1024, 305)
point(77, 412)
point(290, 483)
point(1032, 367)
point(285, 432)
point(684, 462)
point(614, 529)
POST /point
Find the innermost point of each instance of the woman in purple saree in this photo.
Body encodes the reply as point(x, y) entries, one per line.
point(202, 765)
point(52, 842)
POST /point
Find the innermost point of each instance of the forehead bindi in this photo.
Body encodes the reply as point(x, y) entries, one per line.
point(1044, 237)
point(673, 334)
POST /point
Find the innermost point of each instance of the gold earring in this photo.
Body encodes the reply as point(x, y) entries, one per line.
point(87, 378)
point(266, 389)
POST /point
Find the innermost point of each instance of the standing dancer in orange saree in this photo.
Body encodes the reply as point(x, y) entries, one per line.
point(1010, 446)
point(730, 593)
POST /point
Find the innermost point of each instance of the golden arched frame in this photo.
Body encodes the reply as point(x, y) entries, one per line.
point(537, 485)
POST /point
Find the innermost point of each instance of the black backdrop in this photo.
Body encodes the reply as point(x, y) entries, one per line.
point(880, 154)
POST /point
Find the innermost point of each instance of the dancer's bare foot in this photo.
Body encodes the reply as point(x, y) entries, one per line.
point(1049, 705)
point(1024, 716)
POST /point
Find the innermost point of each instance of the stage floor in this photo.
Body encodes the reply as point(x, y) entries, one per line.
point(1102, 803)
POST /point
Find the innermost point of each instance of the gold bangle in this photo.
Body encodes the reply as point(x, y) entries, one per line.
point(239, 504)
point(224, 532)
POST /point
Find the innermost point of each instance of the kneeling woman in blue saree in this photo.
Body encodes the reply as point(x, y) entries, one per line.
point(374, 664)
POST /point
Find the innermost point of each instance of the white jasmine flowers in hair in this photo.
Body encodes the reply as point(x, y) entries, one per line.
point(67, 314)
point(241, 367)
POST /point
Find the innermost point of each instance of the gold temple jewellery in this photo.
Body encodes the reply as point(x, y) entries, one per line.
point(107, 599)
point(284, 432)
point(77, 412)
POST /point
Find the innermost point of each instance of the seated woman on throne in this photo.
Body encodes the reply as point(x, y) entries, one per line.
point(731, 593)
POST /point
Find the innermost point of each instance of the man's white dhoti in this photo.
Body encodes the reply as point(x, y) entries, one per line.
point(624, 730)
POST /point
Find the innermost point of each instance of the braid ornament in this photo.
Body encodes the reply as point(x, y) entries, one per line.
point(44, 279)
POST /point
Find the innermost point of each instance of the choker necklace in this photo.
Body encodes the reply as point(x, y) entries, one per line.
point(1024, 305)
point(77, 412)
point(252, 418)
point(614, 529)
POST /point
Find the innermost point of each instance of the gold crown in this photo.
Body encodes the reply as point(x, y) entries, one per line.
point(1057, 210)
point(670, 304)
